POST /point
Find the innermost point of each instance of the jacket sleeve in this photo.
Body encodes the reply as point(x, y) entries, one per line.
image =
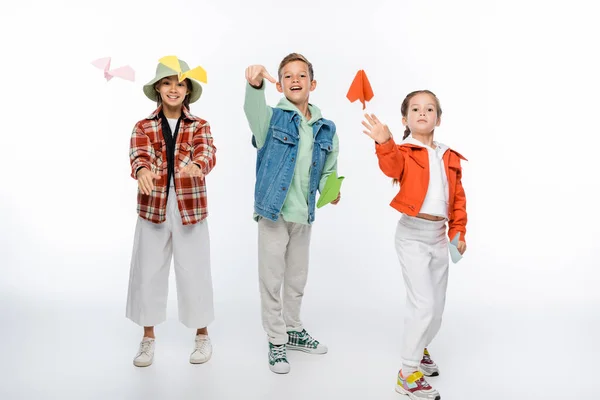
point(204, 149)
point(140, 149)
point(391, 160)
point(458, 219)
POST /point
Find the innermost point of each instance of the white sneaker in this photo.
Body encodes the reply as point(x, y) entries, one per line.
point(145, 355)
point(278, 362)
point(202, 350)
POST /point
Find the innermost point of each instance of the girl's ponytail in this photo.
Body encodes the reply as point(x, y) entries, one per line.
point(406, 133)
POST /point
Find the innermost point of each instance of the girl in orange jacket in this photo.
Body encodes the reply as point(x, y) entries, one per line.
point(431, 194)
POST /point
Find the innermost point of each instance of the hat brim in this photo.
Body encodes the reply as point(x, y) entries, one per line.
point(152, 94)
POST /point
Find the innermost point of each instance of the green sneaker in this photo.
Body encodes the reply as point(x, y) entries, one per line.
point(278, 362)
point(302, 341)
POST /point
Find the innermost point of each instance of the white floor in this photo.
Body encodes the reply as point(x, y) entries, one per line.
point(59, 348)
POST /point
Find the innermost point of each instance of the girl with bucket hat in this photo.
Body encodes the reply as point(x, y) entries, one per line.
point(171, 152)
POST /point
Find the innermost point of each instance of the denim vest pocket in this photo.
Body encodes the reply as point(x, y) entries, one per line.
point(276, 151)
point(284, 136)
point(326, 146)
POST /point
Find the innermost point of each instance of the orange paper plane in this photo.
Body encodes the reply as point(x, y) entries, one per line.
point(360, 89)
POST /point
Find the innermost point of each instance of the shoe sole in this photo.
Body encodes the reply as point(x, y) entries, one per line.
point(436, 373)
point(401, 390)
point(142, 364)
point(427, 373)
point(306, 350)
point(201, 362)
point(278, 372)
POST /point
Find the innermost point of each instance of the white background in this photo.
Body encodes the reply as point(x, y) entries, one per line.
point(519, 88)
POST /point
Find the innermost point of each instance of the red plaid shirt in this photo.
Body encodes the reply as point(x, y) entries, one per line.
point(148, 149)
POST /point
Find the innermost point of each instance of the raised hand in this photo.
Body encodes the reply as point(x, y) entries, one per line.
point(376, 130)
point(255, 75)
point(145, 179)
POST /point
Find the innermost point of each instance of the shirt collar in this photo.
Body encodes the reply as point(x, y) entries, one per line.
point(185, 113)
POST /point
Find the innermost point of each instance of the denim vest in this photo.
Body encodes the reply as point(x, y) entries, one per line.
point(276, 161)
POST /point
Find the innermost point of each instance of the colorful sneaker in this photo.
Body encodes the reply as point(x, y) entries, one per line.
point(278, 362)
point(427, 366)
point(416, 387)
point(302, 341)
point(145, 354)
point(202, 350)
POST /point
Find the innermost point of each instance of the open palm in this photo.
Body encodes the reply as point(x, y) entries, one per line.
point(376, 130)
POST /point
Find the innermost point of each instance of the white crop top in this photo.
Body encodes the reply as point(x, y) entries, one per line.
point(436, 199)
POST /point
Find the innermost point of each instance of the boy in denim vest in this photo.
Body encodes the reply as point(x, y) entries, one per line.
point(297, 150)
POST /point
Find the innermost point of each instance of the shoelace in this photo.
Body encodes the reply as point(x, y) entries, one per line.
point(310, 341)
point(423, 383)
point(145, 347)
point(279, 353)
point(202, 346)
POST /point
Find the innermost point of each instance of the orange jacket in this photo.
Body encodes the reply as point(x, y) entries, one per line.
point(410, 165)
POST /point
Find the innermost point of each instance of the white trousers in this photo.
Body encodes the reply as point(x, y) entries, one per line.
point(154, 246)
point(283, 254)
point(422, 249)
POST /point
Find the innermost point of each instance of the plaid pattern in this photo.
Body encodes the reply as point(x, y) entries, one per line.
point(302, 339)
point(148, 149)
point(277, 354)
point(416, 387)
